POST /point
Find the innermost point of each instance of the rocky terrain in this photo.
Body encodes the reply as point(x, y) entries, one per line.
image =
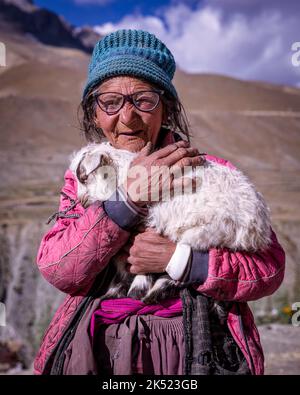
point(255, 125)
point(45, 26)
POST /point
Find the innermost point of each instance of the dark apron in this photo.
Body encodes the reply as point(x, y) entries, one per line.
point(210, 347)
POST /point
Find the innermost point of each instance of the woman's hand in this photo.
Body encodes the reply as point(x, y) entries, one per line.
point(144, 183)
point(148, 252)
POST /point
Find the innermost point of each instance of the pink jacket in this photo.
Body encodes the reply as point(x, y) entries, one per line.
point(75, 250)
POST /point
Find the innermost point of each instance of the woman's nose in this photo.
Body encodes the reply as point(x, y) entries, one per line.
point(127, 113)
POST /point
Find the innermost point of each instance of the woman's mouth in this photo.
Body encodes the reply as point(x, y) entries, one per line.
point(130, 133)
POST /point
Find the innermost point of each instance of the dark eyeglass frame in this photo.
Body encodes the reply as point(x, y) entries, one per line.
point(130, 99)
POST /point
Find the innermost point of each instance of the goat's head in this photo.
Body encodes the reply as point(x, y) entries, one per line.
point(97, 173)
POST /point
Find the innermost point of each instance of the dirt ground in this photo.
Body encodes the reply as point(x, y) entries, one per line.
point(281, 344)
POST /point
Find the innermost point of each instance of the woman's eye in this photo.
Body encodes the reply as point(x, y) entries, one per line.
point(109, 103)
point(110, 99)
point(144, 99)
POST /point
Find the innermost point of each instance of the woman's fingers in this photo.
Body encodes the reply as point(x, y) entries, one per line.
point(169, 149)
point(187, 161)
point(154, 172)
point(146, 151)
point(167, 156)
point(182, 157)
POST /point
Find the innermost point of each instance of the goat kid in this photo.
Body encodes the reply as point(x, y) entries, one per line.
point(225, 211)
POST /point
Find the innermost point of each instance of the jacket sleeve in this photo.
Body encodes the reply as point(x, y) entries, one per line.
point(238, 276)
point(82, 241)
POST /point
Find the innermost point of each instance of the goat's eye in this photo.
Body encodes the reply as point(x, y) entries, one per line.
point(105, 176)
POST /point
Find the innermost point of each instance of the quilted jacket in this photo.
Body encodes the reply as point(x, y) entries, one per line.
point(79, 247)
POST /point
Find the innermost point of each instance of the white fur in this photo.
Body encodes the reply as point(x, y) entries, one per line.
point(225, 211)
point(97, 187)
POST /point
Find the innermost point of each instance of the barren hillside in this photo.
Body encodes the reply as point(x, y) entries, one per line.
point(254, 125)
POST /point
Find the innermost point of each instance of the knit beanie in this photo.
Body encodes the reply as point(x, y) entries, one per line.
point(135, 53)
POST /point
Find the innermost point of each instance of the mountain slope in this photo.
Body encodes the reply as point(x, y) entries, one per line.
point(24, 17)
point(254, 125)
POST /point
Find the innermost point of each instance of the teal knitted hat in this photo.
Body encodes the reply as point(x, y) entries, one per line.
point(132, 52)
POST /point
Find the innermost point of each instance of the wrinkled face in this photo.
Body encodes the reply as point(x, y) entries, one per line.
point(129, 129)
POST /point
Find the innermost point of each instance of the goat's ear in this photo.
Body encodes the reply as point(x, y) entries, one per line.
point(106, 160)
point(90, 163)
point(81, 172)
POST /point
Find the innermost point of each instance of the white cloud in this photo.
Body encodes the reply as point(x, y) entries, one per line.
point(250, 45)
point(150, 23)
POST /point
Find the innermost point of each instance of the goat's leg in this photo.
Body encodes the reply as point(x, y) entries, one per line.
point(163, 288)
point(140, 286)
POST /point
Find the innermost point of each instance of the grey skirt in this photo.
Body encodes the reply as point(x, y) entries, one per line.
point(144, 344)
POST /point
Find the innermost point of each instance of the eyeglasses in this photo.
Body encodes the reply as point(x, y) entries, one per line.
point(112, 102)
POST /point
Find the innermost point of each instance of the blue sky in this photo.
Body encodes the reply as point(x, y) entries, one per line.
point(95, 12)
point(246, 39)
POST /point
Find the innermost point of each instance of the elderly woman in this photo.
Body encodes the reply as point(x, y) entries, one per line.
point(130, 101)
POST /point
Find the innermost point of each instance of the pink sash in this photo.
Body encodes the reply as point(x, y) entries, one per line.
point(114, 311)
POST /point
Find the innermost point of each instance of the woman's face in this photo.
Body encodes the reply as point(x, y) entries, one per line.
point(129, 129)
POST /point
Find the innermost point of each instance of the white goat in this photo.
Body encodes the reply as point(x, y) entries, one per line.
point(224, 211)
